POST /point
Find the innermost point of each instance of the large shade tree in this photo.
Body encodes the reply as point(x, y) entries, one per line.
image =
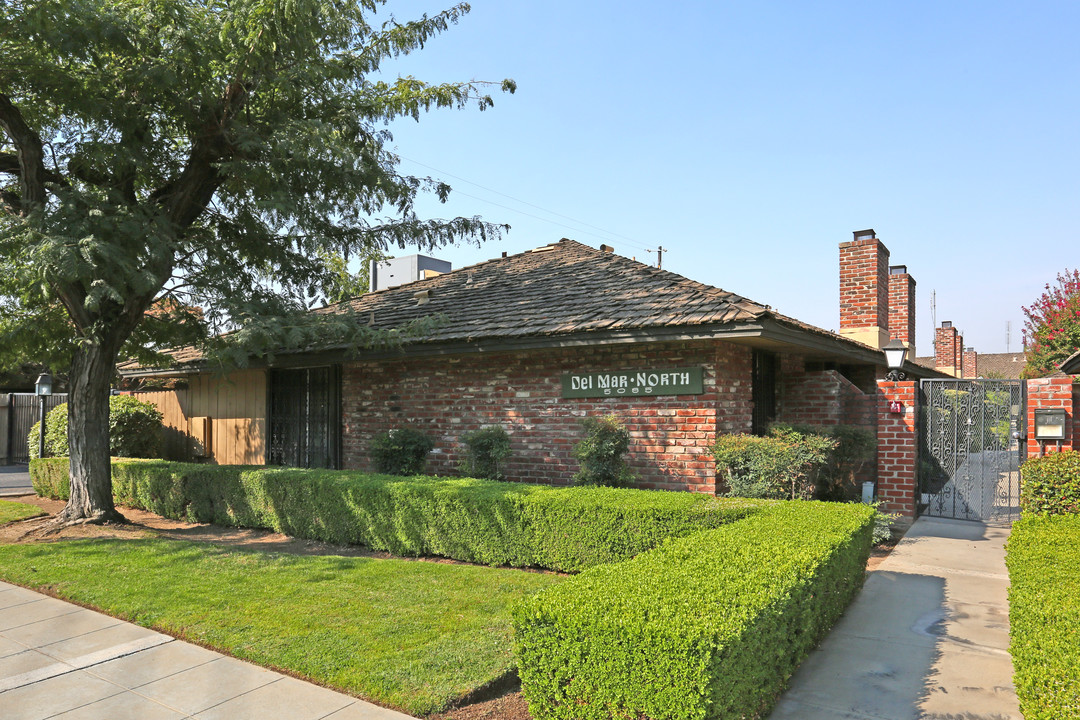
point(174, 155)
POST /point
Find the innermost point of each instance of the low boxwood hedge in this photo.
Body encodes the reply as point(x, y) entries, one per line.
point(1044, 615)
point(495, 523)
point(1050, 485)
point(706, 626)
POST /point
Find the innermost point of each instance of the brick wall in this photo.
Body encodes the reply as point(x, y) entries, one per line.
point(1051, 392)
point(864, 287)
point(448, 396)
point(897, 438)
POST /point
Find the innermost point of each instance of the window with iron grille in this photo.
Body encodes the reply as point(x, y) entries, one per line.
point(305, 417)
point(763, 391)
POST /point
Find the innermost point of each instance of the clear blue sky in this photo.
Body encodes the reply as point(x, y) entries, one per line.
point(749, 139)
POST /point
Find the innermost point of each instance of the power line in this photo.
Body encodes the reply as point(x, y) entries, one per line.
point(607, 233)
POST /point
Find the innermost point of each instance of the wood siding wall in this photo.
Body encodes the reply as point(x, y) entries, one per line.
point(236, 406)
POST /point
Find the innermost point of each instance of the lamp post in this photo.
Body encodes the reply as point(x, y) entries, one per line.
point(43, 389)
point(895, 353)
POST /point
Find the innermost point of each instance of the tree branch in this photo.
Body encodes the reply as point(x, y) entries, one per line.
point(31, 156)
point(189, 195)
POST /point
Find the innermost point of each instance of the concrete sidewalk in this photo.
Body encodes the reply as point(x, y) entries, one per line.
point(927, 638)
point(58, 660)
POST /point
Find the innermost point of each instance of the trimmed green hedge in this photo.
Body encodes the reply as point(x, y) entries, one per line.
point(483, 521)
point(1050, 485)
point(1044, 615)
point(707, 626)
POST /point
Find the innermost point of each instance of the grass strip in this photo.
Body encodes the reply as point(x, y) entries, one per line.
point(411, 635)
point(1044, 615)
point(13, 511)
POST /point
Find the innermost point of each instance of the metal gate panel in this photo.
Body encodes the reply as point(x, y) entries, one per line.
point(24, 409)
point(971, 449)
point(305, 417)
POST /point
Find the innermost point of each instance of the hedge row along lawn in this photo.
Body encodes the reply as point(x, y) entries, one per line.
point(482, 521)
point(12, 511)
point(414, 635)
point(1044, 615)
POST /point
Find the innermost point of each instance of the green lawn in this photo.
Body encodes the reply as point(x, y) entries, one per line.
point(413, 635)
point(12, 511)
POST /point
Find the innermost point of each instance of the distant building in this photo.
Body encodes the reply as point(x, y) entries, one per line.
point(386, 274)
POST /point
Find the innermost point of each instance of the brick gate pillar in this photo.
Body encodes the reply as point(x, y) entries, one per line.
point(1051, 393)
point(897, 447)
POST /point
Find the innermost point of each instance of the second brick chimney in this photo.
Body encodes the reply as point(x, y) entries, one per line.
point(864, 289)
point(971, 363)
point(902, 307)
point(947, 352)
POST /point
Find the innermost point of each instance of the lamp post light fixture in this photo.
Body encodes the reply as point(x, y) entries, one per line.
point(895, 354)
point(43, 389)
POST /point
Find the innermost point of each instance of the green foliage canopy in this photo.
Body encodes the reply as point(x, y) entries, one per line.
point(1052, 325)
point(223, 154)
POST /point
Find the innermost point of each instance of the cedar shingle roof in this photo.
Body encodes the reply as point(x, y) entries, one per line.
point(562, 289)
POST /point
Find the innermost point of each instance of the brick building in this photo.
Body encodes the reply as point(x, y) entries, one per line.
point(536, 341)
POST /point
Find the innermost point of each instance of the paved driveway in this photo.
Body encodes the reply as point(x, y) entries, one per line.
point(15, 480)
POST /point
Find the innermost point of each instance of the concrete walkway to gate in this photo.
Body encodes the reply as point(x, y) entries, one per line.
point(927, 638)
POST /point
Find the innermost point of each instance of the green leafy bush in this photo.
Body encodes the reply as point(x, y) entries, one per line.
point(134, 429)
point(602, 453)
point(1044, 615)
point(780, 466)
point(706, 626)
point(837, 478)
point(485, 451)
point(56, 441)
point(495, 523)
point(401, 451)
point(1050, 485)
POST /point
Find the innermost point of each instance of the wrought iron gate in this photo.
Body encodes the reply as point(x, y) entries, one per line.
point(305, 417)
point(970, 454)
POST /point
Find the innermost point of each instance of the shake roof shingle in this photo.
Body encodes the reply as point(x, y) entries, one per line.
point(562, 289)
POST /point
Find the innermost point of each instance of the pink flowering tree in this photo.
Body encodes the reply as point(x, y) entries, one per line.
point(1052, 325)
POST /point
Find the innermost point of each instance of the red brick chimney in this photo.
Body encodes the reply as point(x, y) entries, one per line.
point(864, 289)
point(971, 363)
point(946, 355)
point(902, 307)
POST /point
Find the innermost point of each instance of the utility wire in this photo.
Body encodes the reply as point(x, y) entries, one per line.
point(607, 233)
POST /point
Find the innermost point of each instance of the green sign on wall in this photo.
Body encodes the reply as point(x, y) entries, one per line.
point(633, 383)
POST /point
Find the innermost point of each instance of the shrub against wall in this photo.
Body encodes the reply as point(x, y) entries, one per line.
point(135, 429)
point(782, 465)
point(602, 453)
point(486, 450)
point(401, 451)
point(1050, 485)
point(836, 479)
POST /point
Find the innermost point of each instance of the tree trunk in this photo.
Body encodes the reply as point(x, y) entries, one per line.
point(91, 497)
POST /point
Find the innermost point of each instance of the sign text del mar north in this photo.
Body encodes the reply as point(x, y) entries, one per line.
point(630, 383)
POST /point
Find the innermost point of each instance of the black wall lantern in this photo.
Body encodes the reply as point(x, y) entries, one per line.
point(895, 353)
